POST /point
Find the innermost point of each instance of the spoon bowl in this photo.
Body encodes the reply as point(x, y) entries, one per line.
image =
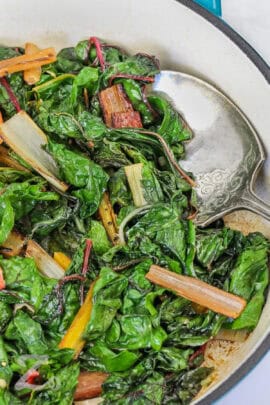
point(226, 152)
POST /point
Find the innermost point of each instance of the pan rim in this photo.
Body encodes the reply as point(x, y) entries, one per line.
point(229, 32)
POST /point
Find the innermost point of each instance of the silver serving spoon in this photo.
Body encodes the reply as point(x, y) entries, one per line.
point(226, 152)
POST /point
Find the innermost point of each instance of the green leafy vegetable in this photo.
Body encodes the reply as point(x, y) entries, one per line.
point(249, 279)
point(162, 229)
point(88, 79)
point(27, 333)
point(139, 64)
point(22, 276)
point(148, 340)
point(172, 127)
point(79, 171)
point(135, 95)
point(6, 217)
point(99, 238)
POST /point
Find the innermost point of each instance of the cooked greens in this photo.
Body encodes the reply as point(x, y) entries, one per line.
point(147, 339)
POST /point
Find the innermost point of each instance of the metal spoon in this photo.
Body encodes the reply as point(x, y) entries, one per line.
point(226, 152)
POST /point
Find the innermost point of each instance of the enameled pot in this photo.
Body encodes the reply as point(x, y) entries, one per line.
point(184, 37)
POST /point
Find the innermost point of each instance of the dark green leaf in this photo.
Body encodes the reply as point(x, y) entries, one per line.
point(107, 292)
point(22, 277)
point(5, 315)
point(84, 174)
point(119, 190)
point(210, 245)
point(7, 398)
point(26, 332)
point(134, 65)
point(162, 225)
point(134, 93)
point(172, 127)
point(47, 216)
point(112, 361)
point(250, 266)
point(7, 217)
point(5, 371)
point(9, 175)
point(97, 234)
point(68, 61)
point(61, 388)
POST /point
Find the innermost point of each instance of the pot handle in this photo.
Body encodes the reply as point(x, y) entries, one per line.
point(214, 6)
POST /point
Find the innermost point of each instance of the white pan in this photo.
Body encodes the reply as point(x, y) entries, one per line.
point(184, 37)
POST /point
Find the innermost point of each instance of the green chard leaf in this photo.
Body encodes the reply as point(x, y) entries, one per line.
point(249, 279)
point(5, 315)
point(7, 52)
point(68, 61)
point(142, 335)
point(61, 387)
point(7, 218)
point(7, 398)
point(107, 292)
point(98, 235)
point(5, 371)
point(87, 78)
point(161, 227)
point(140, 65)
point(172, 127)
point(88, 178)
point(113, 361)
point(27, 333)
point(135, 95)
point(110, 154)
point(49, 215)
point(23, 278)
point(119, 190)
point(211, 244)
point(18, 199)
point(20, 90)
point(10, 175)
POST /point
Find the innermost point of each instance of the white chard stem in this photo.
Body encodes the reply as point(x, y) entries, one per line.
point(134, 178)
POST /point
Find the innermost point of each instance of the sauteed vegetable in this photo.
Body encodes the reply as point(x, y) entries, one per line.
point(96, 232)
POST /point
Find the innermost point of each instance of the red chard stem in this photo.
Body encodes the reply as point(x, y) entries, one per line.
point(10, 93)
point(97, 44)
point(147, 79)
point(86, 257)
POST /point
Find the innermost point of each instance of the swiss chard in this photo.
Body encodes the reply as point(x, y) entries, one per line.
point(18, 200)
point(172, 126)
point(249, 279)
point(88, 178)
point(130, 202)
point(22, 277)
point(27, 334)
point(7, 218)
point(160, 229)
point(138, 65)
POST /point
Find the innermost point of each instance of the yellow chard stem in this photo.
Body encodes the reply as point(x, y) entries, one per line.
point(108, 218)
point(73, 339)
point(62, 259)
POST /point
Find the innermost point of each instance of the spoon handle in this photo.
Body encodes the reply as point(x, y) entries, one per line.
point(253, 203)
